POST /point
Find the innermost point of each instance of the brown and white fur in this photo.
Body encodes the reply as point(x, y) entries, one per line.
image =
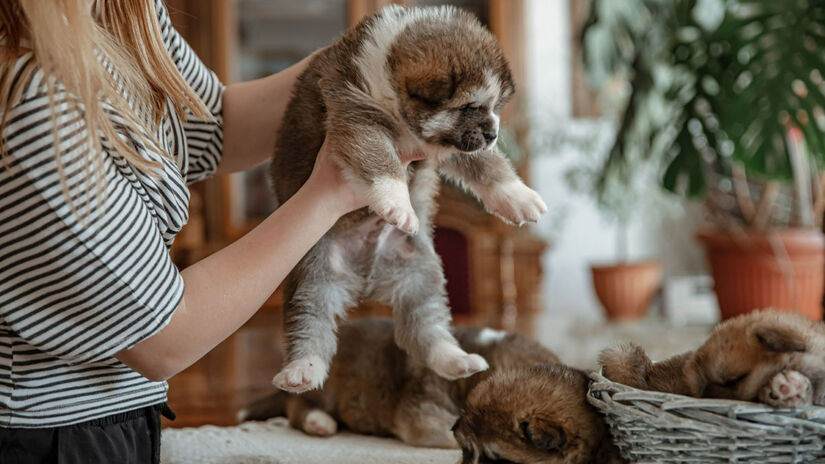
point(770, 356)
point(528, 408)
point(428, 81)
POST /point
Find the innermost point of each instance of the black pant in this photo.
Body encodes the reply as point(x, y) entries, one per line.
point(129, 438)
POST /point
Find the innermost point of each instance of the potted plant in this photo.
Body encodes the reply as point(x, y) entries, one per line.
point(727, 97)
point(624, 284)
point(624, 287)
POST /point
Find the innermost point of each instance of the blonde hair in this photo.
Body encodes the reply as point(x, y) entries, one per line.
point(71, 40)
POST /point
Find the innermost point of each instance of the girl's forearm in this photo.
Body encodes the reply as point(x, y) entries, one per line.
point(225, 289)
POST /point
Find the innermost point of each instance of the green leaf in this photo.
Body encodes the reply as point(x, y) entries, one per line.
point(735, 91)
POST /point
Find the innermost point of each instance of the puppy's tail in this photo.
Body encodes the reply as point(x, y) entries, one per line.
point(273, 405)
point(627, 364)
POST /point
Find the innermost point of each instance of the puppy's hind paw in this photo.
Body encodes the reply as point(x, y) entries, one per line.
point(787, 389)
point(451, 362)
point(319, 423)
point(302, 375)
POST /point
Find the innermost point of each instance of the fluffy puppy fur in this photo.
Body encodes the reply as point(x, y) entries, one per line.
point(536, 415)
point(533, 411)
point(770, 356)
point(421, 80)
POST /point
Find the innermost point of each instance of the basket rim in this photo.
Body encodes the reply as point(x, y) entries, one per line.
point(673, 401)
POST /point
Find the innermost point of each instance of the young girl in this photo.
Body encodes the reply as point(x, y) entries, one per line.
point(107, 115)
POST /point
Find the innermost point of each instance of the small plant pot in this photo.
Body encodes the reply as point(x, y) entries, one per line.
point(750, 272)
point(625, 290)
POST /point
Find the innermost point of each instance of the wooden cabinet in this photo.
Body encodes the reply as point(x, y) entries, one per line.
point(493, 269)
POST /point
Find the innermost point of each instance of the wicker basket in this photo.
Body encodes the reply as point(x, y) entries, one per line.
point(654, 427)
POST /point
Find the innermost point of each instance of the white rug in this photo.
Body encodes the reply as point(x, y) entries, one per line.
point(273, 442)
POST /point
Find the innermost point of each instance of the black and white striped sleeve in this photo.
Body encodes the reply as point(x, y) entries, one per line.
point(80, 279)
point(204, 139)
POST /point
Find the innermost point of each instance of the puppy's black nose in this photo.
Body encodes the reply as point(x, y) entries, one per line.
point(490, 136)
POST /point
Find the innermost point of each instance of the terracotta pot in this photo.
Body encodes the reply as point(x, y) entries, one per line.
point(625, 290)
point(748, 272)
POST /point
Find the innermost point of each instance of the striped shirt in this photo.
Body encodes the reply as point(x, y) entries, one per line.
point(77, 288)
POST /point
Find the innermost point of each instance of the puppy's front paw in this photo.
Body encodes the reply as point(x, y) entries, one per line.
point(390, 199)
point(514, 202)
point(451, 362)
point(301, 375)
point(319, 423)
point(403, 218)
point(787, 389)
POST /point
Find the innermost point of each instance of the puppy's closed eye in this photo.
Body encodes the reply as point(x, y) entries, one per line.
point(544, 435)
point(431, 90)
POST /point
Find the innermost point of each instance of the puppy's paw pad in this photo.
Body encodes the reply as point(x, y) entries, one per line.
point(788, 389)
point(319, 423)
point(515, 203)
point(302, 375)
point(456, 364)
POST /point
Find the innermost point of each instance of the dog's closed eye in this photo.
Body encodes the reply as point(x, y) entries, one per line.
point(543, 434)
point(431, 91)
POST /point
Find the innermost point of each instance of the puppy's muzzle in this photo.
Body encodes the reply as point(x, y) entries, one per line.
point(477, 139)
point(490, 136)
point(490, 139)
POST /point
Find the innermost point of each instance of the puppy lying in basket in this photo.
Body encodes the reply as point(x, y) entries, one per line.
point(769, 356)
point(529, 408)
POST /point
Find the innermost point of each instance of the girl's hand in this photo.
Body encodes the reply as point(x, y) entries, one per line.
point(341, 194)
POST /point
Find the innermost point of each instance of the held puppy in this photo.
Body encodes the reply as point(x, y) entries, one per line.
point(428, 81)
point(529, 408)
point(774, 357)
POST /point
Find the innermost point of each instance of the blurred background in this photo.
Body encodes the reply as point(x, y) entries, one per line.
point(677, 143)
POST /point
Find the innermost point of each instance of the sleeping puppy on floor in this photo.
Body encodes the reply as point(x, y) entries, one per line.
point(536, 415)
point(773, 357)
point(529, 408)
point(425, 81)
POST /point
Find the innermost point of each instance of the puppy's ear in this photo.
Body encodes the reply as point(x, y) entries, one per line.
point(456, 424)
point(627, 364)
point(466, 440)
point(543, 434)
point(780, 339)
point(469, 454)
point(430, 88)
point(508, 88)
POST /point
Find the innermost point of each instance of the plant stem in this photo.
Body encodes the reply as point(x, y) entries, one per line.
point(622, 244)
point(742, 192)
